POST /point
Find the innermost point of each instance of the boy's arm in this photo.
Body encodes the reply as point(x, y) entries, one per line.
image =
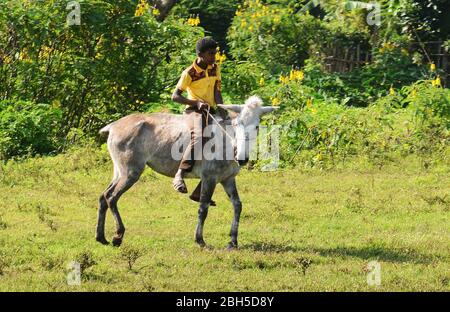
point(218, 93)
point(218, 87)
point(177, 96)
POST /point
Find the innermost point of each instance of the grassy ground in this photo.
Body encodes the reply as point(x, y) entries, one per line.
point(300, 230)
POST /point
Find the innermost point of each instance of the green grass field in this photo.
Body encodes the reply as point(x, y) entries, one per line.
point(301, 230)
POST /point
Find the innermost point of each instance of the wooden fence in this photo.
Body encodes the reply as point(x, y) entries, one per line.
point(345, 59)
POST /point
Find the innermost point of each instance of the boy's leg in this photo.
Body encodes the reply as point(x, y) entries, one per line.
point(193, 119)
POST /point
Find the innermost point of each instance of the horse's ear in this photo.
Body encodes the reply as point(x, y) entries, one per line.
point(232, 108)
point(268, 109)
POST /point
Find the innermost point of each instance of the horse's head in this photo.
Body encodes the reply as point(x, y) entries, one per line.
point(245, 120)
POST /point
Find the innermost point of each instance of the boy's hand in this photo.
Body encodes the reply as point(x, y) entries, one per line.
point(202, 105)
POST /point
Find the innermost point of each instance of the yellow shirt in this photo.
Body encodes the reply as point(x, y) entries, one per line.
point(199, 83)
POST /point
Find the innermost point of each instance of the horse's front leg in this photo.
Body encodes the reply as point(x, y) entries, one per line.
point(231, 190)
point(207, 190)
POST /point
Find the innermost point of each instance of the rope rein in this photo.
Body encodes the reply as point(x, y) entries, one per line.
point(220, 127)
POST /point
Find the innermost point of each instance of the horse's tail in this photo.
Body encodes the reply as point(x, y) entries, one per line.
point(105, 130)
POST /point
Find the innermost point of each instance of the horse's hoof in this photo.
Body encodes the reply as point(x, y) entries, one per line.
point(232, 247)
point(102, 240)
point(116, 241)
point(201, 243)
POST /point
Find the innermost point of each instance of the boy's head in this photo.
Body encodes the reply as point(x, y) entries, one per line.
point(206, 49)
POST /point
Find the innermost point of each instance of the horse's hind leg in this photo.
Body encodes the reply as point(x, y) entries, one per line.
point(102, 208)
point(123, 184)
point(207, 191)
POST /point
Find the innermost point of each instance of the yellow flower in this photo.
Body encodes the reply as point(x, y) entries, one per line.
point(391, 91)
point(261, 81)
point(291, 75)
point(433, 67)
point(220, 58)
point(250, 28)
point(284, 79)
point(22, 55)
point(243, 23)
point(414, 92)
point(45, 52)
point(193, 21)
point(296, 75)
point(437, 82)
point(309, 103)
point(56, 104)
point(238, 13)
point(388, 46)
point(141, 8)
point(155, 12)
point(276, 19)
point(275, 101)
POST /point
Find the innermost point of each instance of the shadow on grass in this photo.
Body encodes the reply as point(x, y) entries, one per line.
point(370, 252)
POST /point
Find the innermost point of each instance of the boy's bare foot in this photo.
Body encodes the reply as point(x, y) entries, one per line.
point(178, 182)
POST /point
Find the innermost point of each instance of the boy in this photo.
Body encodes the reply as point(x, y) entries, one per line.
point(202, 81)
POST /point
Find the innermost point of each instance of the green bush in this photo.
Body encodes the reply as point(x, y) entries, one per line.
point(392, 67)
point(240, 78)
point(28, 129)
point(110, 65)
point(414, 120)
point(272, 36)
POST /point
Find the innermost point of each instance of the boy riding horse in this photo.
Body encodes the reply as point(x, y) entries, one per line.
point(202, 81)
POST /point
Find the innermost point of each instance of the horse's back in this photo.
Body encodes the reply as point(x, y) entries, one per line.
point(161, 122)
point(148, 138)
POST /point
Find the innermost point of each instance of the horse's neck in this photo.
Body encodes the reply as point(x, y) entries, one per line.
point(224, 130)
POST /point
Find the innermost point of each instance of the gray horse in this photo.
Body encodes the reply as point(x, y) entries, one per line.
point(149, 139)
